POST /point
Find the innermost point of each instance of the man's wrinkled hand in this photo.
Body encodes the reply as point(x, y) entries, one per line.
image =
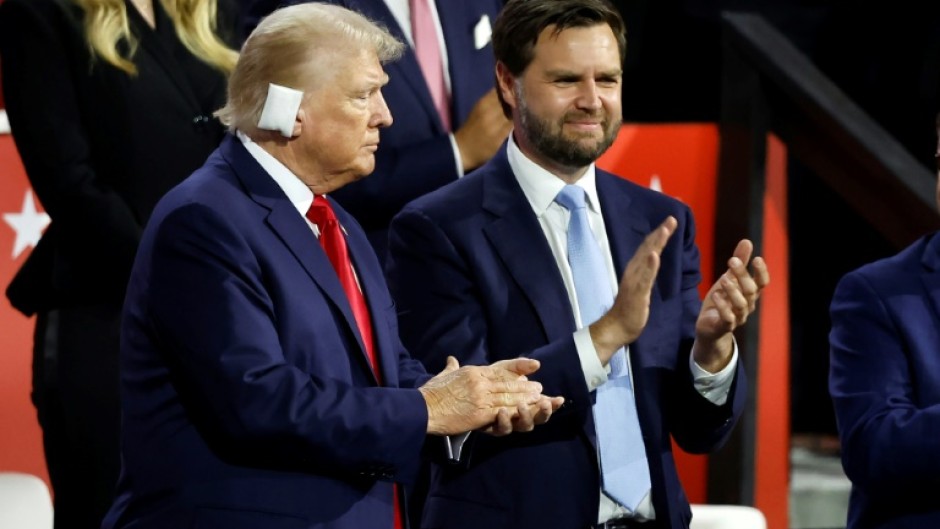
point(496, 398)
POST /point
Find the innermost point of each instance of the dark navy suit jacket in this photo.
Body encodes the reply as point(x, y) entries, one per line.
point(474, 277)
point(885, 385)
point(416, 155)
point(248, 400)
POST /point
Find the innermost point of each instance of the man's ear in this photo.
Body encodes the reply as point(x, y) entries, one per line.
point(299, 123)
point(506, 82)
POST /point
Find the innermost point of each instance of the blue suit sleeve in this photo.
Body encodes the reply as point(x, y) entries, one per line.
point(889, 439)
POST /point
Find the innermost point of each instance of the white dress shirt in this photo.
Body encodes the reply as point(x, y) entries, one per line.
point(296, 190)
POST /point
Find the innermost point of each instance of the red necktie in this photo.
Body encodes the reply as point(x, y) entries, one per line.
point(428, 51)
point(334, 244)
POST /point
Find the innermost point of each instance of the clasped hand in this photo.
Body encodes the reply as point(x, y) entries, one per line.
point(497, 399)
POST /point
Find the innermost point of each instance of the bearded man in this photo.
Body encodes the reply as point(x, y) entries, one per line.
point(540, 254)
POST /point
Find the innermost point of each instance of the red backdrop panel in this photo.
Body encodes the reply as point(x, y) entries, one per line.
point(20, 440)
point(772, 453)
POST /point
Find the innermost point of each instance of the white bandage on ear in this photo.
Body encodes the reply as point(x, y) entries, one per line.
point(280, 109)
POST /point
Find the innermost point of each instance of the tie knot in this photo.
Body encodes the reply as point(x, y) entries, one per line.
point(571, 197)
point(320, 211)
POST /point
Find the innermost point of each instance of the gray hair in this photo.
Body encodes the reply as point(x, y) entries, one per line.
point(293, 47)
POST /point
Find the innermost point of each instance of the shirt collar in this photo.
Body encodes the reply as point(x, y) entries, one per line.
point(541, 187)
point(297, 192)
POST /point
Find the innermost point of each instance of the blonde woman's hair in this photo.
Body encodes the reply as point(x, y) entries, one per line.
point(298, 47)
point(106, 26)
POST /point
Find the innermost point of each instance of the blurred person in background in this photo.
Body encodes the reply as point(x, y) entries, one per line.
point(110, 104)
point(885, 383)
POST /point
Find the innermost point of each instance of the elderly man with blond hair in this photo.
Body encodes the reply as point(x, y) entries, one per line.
point(263, 381)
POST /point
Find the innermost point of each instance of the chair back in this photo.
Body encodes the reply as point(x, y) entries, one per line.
point(25, 502)
point(726, 517)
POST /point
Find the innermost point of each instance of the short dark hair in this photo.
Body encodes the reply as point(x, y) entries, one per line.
point(520, 22)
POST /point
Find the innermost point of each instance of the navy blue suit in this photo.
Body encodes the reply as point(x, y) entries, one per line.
point(248, 400)
point(416, 155)
point(885, 384)
point(474, 276)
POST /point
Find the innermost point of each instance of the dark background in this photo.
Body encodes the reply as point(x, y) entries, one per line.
point(885, 56)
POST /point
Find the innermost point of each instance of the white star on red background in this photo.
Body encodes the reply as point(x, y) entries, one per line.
point(28, 224)
point(655, 183)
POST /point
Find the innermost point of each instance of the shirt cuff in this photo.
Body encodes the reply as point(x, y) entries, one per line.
point(454, 445)
point(715, 386)
point(595, 374)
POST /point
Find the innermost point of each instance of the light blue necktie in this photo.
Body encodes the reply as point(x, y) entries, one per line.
point(623, 457)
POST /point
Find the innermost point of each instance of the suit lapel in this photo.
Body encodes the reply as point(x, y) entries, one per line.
point(288, 226)
point(627, 224)
point(626, 228)
point(519, 241)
